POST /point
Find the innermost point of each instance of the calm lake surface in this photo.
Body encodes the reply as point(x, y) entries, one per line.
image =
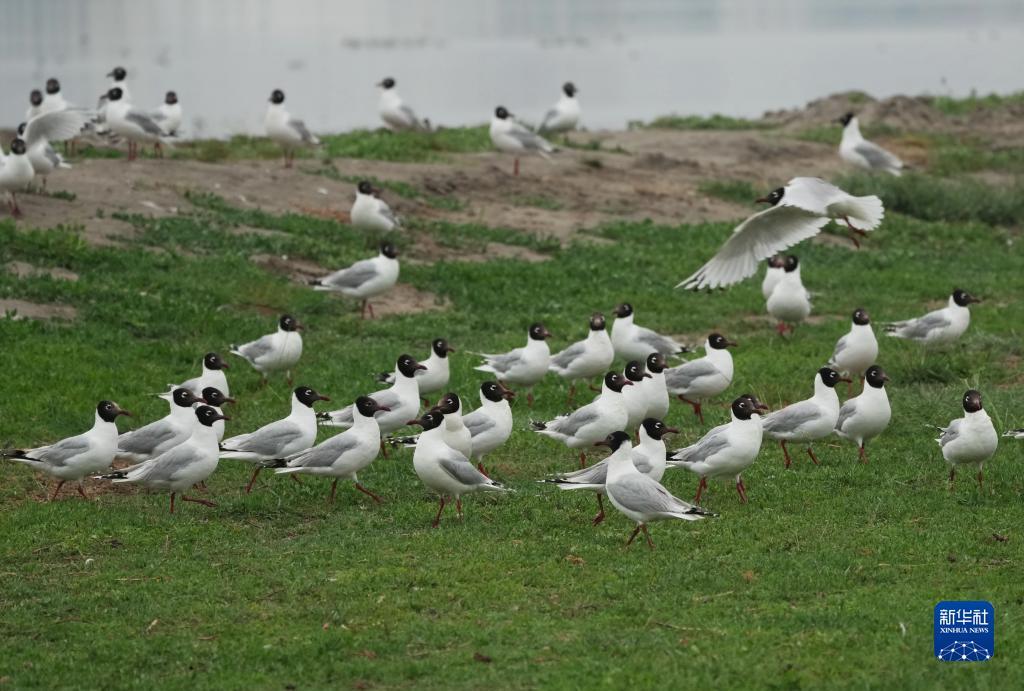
point(455, 60)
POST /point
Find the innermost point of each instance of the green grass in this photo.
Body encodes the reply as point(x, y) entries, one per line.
point(702, 122)
point(827, 578)
point(968, 105)
point(379, 145)
point(738, 191)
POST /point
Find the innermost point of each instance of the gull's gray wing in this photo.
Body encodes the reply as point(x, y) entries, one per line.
point(354, 276)
point(791, 418)
point(63, 451)
point(565, 358)
point(461, 470)
point(876, 156)
point(704, 449)
point(682, 377)
point(848, 410)
point(840, 347)
point(386, 398)
point(922, 326)
point(414, 121)
point(530, 140)
point(256, 349)
point(477, 422)
point(300, 127)
point(386, 212)
point(145, 439)
point(166, 466)
point(548, 117)
point(268, 440)
point(591, 475)
point(571, 424)
point(657, 342)
point(145, 122)
point(503, 362)
point(951, 433)
point(55, 126)
point(324, 455)
point(51, 156)
point(642, 494)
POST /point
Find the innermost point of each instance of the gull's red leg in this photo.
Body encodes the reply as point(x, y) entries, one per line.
point(365, 491)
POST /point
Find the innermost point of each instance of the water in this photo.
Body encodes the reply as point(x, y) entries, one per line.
point(456, 59)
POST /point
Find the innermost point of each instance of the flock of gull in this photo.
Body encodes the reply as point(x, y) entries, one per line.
point(182, 450)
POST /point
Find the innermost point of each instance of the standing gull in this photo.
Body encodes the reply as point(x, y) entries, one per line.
point(565, 114)
point(290, 133)
point(858, 151)
point(216, 400)
point(16, 173)
point(443, 469)
point(585, 359)
point(727, 450)
point(522, 367)
point(279, 439)
point(370, 212)
point(808, 420)
point(168, 116)
point(401, 402)
point(773, 270)
point(35, 108)
point(365, 279)
point(858, 349)
point(864, 417)
point(434, 377)
point(789, 303)
point(511, 137)
point(212, 375)
point(593, 422)
point(276, 352)
point(395, 114)
point(634, 397)
point(455, 434)
point(345, 454)
point(641, 498)
point(648, 457)
point(187, 464)
point(655, 388)
point(696, 381)
point(939, 327)
point(490, 425)
point(968, 440)
point(633, 342)
point(76, 457)
point(149, 441)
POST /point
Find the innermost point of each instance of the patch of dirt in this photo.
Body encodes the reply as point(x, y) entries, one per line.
point(427, 250)
point(402, 299)
point(26, 270)
point(23, 309)
point(296, 268)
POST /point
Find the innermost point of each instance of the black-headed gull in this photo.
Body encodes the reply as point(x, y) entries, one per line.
point(149, 441)
point(655, 388)
point(969, 440)
point(444, 470)
point(370, 212)
point(76, 457)
point(648, 457)
point(290, 133)
point(212, 375)
point(187, 464)
point(697, 380)
point(53, 101)
point(436, 373)
point(275, 352)
point(395, 114)
point(940, 326)
point(634, 396)
point(401, 401)
point(639, 497)
point(565, 114)
point(585, 426)
point(522, 367)
point(807, 421)
point(773, 270)
point(727, 450)
point(490, 425)
point(16, 173)
point(585, 359)
point(864, 417)
point(119, 78)
point(216, 399)
point(136, 126)
point(35, 108)
point(344, 455)
point(365, 279)
point(456, 434)
point(633, 342)
point(798, 211)
point(790, 303)
point(279, 439)
point(858, 151)
point(168, 116)
point(511, 137)
point(857, 349)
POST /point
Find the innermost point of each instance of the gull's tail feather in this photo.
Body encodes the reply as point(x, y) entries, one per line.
point(865, 213)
